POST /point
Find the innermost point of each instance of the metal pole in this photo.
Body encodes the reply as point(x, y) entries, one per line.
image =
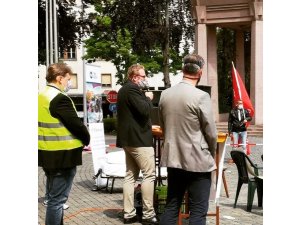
point(51, 31)
point(47, 33)
point(83, 73)
point(55, 34)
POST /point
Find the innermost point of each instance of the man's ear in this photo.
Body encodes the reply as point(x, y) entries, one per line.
point(58, 79)
point(200, 73)
point(133, 79)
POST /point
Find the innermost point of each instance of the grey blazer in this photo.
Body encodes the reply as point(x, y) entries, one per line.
point(190, 135)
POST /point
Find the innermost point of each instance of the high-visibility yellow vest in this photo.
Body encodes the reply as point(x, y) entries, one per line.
point(52, 134)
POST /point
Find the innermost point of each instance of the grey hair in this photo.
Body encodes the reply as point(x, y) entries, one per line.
point(192, 63)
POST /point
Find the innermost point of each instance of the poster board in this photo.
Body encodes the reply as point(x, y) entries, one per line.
point(97, 145)
point(93, 93)
point(216, 184)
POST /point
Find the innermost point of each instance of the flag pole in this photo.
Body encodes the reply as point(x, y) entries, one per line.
point(237, 81)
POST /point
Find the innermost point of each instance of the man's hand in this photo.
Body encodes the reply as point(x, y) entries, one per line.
point(149, 94)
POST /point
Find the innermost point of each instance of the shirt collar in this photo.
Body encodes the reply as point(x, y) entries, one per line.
point(186, 82)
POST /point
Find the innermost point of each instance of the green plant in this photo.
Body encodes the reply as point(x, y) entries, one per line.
point(110, 125)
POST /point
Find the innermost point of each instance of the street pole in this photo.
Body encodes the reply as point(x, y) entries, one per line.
point(55, 33)
point(83, 73)
point(47, 33)
point(51, 30)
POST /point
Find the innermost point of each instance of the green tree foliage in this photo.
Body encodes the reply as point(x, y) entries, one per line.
point(226, 54)
point(149, 32)
point(247, 45)
point(71, 23)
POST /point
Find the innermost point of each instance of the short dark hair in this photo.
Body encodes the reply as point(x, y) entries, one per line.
point(192, 63)
point(57, 69)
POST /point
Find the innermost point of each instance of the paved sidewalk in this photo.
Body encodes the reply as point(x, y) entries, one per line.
point(99, 207)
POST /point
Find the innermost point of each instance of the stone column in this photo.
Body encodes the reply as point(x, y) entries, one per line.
point(256, 81)
point(201, 49)
point(212, 68)
point(240, 59)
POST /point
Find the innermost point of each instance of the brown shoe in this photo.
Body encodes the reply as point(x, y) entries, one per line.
point(130, 220)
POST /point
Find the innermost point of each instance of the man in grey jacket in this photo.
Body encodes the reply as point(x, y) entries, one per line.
point(190, 142)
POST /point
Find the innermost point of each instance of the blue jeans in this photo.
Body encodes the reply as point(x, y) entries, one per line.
point(236, 136)
point(47, 190)
point(59, 183)
point(198, 187)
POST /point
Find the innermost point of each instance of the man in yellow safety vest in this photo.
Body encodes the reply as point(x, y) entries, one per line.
point(61, 138)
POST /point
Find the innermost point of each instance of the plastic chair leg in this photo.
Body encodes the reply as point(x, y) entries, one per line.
point(251, 191)
point(259, 183)
point(237, 192)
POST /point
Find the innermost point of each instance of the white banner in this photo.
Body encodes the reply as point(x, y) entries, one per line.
point(215, 194)
point(97, 144)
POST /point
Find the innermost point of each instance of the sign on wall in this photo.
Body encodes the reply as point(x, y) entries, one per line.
point(92, 73)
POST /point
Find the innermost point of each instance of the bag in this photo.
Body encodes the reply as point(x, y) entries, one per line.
point(160, 199)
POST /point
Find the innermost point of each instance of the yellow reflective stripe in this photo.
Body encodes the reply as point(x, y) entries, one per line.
point(56, 138)
point(59, 145)
point(62, 131)
point(50, 125)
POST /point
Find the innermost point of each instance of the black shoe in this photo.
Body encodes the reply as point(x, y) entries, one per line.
point(150, 221)
point(130, 220)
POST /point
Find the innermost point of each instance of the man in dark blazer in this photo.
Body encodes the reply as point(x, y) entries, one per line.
point(190, 141)
point(134, 135)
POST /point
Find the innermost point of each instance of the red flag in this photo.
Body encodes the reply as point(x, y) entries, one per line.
point(239, 91)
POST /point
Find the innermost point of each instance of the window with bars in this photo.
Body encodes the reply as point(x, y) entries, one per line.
point(106, 79)
point(68, 54)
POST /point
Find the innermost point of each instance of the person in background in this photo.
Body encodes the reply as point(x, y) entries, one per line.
point(61, 137)
point(237, 124)
point(190, 142)
point(134, 135)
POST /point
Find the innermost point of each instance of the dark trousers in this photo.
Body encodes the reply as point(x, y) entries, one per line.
point(198, 187)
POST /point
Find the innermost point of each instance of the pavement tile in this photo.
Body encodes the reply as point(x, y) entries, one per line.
point(99, 207)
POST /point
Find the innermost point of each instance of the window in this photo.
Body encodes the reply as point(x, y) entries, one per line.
point(106, 79)
point(68, 54)
point(74, 81)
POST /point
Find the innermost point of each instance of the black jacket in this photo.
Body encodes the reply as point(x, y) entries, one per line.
point(134, 117)
point(234, 125)
point(61, 108)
